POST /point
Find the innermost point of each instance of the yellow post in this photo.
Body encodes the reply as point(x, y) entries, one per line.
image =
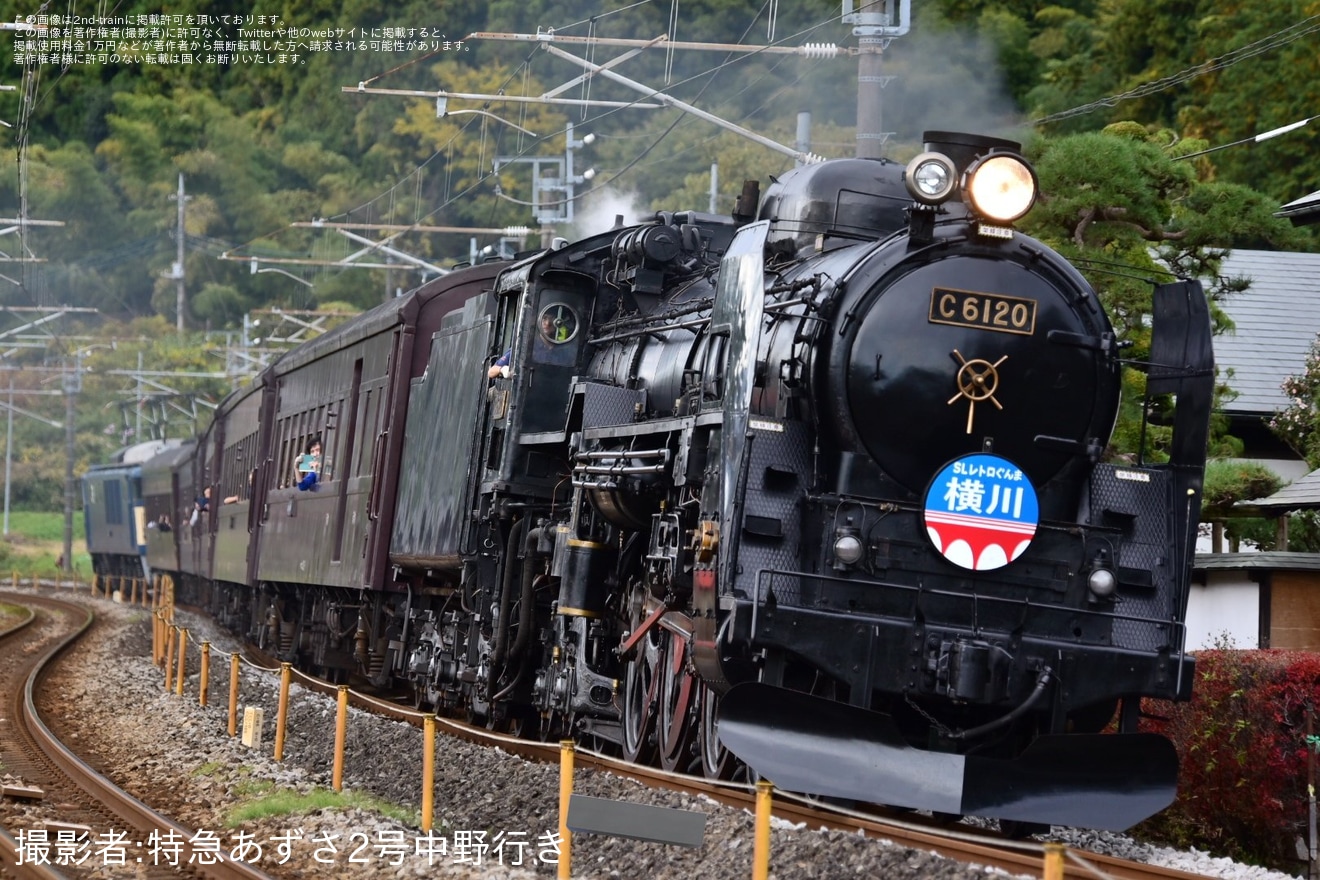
point(155, 640)
point(428, 772)
point(132, 592)
point(204, 677)
point(16, 580)
point(96, 579)
point(233, 694)
point(341, 735)
point(761, 852)
point(1053, 869)
point(169, 657)
point(286, 674)
point(566, 752)
point(183, 654)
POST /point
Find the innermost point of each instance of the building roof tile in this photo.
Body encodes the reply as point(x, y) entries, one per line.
point(1275, 321)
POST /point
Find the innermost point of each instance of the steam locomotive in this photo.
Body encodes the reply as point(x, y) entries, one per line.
point(818, 489)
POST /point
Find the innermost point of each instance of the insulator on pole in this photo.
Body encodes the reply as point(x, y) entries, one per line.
point(819, 50)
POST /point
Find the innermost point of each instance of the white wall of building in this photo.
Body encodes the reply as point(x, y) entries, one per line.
point(1229, 604)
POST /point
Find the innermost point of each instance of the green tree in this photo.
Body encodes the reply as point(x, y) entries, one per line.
point(1124, 197)
point(1298, 424)
point(1219, 72)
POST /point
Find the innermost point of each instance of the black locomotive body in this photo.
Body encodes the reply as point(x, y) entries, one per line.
point(825, 489)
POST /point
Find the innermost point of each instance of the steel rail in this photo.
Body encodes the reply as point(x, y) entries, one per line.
point(117, 801)
point(9, 850)
point(963, 843)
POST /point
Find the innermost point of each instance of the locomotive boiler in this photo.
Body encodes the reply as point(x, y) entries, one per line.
point(820, 489)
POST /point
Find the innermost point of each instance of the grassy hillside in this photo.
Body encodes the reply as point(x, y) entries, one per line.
point(36, 541)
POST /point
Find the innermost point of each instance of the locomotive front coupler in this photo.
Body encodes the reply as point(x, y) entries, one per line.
point(970, 670)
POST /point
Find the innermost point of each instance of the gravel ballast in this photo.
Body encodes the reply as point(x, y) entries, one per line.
point(494, 812)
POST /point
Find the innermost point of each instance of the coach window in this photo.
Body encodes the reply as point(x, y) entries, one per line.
point(287, 442)
point(364, 434)
point(322, 429)
point(277, 448)
point(113, 502)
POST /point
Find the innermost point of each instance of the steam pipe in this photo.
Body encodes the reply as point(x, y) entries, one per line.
point(526, 610)
point(528, 598)
point(631, 453)
point(612, 471)
point(506, 595)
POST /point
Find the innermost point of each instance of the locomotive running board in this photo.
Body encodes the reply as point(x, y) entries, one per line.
point(814, 746)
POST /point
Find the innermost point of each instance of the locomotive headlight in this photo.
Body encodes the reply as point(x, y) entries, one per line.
point(1000, 187)
point(1102, 582)
point(930, 178)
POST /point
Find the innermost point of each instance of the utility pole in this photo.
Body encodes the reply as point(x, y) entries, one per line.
point(176, 271)
point(72, 385)
point(137, 424)
point(875, 23)
point(10, 409)
point(9, 448)
point(546, 208)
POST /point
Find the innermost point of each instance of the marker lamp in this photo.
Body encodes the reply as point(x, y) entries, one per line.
point(1102, 582)
point(930, 178)
point(848, 549)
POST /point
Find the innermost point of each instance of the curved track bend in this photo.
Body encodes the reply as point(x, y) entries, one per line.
point(81, 795)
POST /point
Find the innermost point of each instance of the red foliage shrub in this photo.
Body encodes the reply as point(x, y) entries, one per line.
point(1242, 788)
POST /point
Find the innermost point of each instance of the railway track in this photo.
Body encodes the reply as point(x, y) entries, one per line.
point(83, 799)
point(962, 842)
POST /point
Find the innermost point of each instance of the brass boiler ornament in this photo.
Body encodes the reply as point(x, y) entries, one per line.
point(977, 379)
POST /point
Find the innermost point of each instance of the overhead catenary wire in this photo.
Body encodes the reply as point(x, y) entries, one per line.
point(729, 59)
point(485, 177)
point(1265, 136)
point(1290, 34)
